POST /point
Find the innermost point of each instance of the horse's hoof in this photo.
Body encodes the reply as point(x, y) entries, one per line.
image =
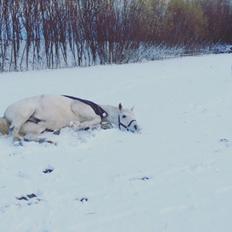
point(106, 125)
point(42, 140)
point(57, 132)
point(51, 142)
point(18, 143)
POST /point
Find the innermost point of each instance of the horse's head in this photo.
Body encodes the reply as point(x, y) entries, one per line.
point(126, 120)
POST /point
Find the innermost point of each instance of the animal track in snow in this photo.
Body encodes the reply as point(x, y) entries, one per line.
point(144, 178)
point(29, 199)
point(226, 142)
point(48, 170)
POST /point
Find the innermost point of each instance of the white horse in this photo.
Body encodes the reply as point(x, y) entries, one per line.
point(30, 117)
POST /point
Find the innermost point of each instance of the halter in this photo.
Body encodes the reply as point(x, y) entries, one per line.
point(123, 125)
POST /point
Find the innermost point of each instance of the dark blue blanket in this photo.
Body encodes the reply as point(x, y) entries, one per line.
point(97, 109)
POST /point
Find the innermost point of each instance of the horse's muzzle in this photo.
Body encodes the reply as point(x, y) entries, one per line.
point(133, 127)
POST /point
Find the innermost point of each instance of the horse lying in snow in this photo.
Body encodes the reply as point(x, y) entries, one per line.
point(30, 117)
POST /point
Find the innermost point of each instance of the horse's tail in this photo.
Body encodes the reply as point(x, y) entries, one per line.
point(4, 126)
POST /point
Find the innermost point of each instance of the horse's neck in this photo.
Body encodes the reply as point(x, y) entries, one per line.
point(112, 113)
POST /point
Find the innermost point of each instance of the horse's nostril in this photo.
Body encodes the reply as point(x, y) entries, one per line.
point(135, 126)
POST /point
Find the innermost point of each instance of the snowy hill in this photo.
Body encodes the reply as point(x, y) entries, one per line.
point(175, 176)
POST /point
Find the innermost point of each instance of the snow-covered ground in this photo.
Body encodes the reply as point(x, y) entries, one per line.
point(175, 176)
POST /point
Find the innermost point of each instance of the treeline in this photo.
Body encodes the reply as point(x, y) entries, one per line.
point(62, 33)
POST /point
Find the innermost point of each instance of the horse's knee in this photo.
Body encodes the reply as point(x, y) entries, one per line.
point(15, 132)
point(32, 128)
point(16, 128)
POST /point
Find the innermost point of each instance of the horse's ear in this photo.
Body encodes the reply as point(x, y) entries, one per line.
point(120, 106)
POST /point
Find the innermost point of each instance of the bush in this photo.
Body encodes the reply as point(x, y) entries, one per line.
point(52, 34)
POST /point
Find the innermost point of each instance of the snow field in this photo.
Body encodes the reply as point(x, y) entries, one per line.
point(174, 176)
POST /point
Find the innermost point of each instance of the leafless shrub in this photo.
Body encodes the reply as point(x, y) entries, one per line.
point(51, 34)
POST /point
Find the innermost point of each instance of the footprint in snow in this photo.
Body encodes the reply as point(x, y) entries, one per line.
point(82, 199)
point(29, 199)
point(48, 170)
point(225, 142)
point(144, 178)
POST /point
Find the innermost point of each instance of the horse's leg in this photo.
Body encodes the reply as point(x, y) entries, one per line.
point(32, 132)
point(34, 138)
point(91, 123)
point(89, 118)
point(17, 124)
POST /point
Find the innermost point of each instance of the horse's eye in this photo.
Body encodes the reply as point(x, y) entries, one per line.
point(124, 116)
